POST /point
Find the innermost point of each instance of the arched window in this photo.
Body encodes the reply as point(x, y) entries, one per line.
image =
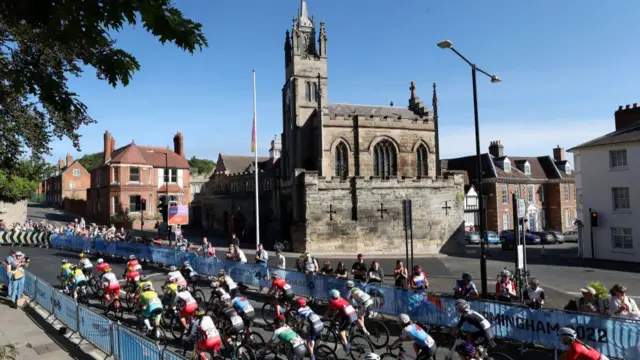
point(422, 162)
point(384, 160)
point(307, 91)
point(342, 161)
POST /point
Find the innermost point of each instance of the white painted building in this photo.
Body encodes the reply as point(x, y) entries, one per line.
point(608, 183)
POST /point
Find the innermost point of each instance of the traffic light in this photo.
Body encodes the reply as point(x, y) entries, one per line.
point(594, 219)
point(144, 205)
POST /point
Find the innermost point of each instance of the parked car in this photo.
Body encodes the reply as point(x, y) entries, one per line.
point(558, 235)
point(546, 236)
point(491, 237)
point(508, 241)
point(571, 236)
point(471, 237)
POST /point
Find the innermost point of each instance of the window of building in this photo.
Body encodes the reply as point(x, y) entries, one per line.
point(527, 169)
point(567, 168)
point(506, 225)
point(307, 91)
point(620, 198)
point(384, 160)
point(568, 221)
point(422, 162)
point(116, 204)
point(567, 192)
point(505, 194)
point(134, 174)
point(342, 161)
point(134, 203)
point(76, 172)
point(532, 192)
point(617, 159)
point(621, 239)
point(506, 165)
point(171, 176)
point(116, 175)
point(517, 191)
point(541, 193)
point(72, 185)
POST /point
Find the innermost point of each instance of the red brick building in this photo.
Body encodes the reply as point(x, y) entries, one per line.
point(71, 182)
point(132, 173)
point(547, 184)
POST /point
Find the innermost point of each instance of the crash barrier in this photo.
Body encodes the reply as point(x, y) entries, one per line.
point(614, 337)
point(111, 338)
point(25, 238)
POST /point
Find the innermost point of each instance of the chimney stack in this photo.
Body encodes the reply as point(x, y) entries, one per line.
point(107, 146)
point(627, 116)
point(178, 144)
point(558, 153)
point(113, 145)
point(60, 164)
point(496, 149)
point(69, 159)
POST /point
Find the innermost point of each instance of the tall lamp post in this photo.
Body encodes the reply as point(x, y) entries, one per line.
point(166, 194)
point(494, 79)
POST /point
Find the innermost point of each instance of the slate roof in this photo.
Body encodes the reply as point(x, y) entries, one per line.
point(368, 110)
point(148, 155)
point(233, 164)
point(629, 134)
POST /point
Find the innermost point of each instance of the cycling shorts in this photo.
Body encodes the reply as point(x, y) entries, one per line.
point(212, 343)
point(299, 352)
point(149, 310)
point(79, 283)
point(482, 337)
point(188, 309)
point(365, 309)
point(346, 321)
point(287, 296)
point(426, 353)
point(113, 288)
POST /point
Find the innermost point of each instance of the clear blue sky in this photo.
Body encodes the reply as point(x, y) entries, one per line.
point(565, 65)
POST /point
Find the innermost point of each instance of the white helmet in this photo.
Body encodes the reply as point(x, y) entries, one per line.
point(403, 319)
point(100, 261)
point(462, 305)
point(505, 273)
point(350, 284)
point(372, 356)
point(566, 332)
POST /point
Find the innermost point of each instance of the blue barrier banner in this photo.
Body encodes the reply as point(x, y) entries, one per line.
point(115, 329)
point(207, 266)
point(100, 246)
point(163, 255)
point(74, 242)
point(44, 295)
point(95, 328)
point(30, 285)
point(65, 310)
point(170, 355)
point(134, 347)
point(125, 249)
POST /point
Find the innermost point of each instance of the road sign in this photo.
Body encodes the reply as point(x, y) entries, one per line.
point(521, 208)
point(179, 215)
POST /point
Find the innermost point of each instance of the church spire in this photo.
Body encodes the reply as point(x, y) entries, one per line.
point(434, 104)
point(303, 15)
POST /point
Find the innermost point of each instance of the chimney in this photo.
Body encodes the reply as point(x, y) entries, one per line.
point(113, 144)
point(627, 116)
point(69, 159)
point(496, 149)
point(558, 153)
point(60, 164)
point(178, 144)
point(107, 146)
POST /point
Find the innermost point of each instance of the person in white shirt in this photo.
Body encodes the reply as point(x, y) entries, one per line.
point(534, 295)
point(280, 259)
point(240, 254)
point(621, 305)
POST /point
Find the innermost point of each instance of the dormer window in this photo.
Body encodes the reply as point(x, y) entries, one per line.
point(567, 168)
point(506, 165)
point(527, 168)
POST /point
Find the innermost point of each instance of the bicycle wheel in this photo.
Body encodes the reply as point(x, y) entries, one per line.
point(360, 346)
point(175, 327)
point(128, 299)
point(268, 313)
point(323, 352)
point(499, 356)
point(388, 356)
point(329, 337)
point(378, 332)
point(198, 295)
point(243, 352)
point(254, 341)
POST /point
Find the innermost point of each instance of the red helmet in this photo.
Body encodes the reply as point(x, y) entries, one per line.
point(302, 302)
point(417, 268)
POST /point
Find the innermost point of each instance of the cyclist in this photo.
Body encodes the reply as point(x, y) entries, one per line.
point(143, 281)
point(315, 324)
point(363, 301)
point(346, 316)
point(131, 278)
point(170, 291)
point(86, 265)
point(287, 336)
point(132, 265)
point(229, 312)
point(186, 303)
point(77, 280)
point(218, 291)
point(465, 288)
point(227, 282)
point(423, 344)
point(418, 279)
point(467, 351)
point(577, 350)
point(483, 335)
point(101, 266)
point(208, 336)
point(65, 271)
point(280, 285)
point(534, 295)
point(110, 284)
point(150, 306)
point(244, 309)
point(371, 356)
point(174, 276)
point(188, 273)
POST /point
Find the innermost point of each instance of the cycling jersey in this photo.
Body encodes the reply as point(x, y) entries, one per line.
point(220, 293)
point(186, 302)
point(286, 335)
point(418, 335)
point(176, 276)
point(228, 282)
point(142, 284)
point(243, 306)
point(101, 267)
point(208, 334)
point(346, 311)
point(188, 272)
point(237, 324)
point(172, 290)
point(475, 319)
point(360, 296)
point(109, 278)
point(503, 288)
point(150, 301)
point(419, 280)
point(580, 351)
point(315, 323)
point(134, 265)
point(133, 276)
point(86, 263)
point(65, 270)
point(281, 285)
point(78, 277)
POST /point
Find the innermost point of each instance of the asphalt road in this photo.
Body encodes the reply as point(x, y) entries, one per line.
point(45, 263)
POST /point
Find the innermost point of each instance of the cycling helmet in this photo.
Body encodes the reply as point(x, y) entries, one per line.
point(533, 281)
point(301, 302)
point(462, 305)
point(81, 255)
point(403, 319)
point(173, 268)
point(372, 356)
point(505, 273)
point(350, 284)
point(132, 257)
point(199, 312)
point(417, 268)
point(185, 264)
point(222, 272)
point(146, 287)
point(334, 294)
point(74, 267)
point(466, 349)
point(100, 261)
point(65, 261)
point(275, 275)
point(144, 278)
point(182, 288)
point(279, 320)
point(466, 277)
point(566, 332)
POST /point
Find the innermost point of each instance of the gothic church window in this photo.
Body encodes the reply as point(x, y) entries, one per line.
point(307, 92)
point(384, 160)
point(342, 161)
point(422, 162)
point(316, 94)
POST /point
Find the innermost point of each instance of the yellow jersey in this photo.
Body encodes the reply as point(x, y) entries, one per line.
point(149, 297)
point(77, 272)
point(66, 266)
point(172, 289)
point(142, 284)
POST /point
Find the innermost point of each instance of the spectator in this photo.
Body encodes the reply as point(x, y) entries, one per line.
point(340, 272)
point(16, 276)
point(207, 249)
point(261, 256)
point(588, 302)
point(400, 274)
point(621, 305)
point(534, 295)
point(465, 288)
point(309, 264)
point(234, 240)
point(280, 260)
point(359, 269)
point(375, 274)
point(231, 255)
point(326, 269)
point(505, 288)
point(3, 227)
point(7, 265)
point(239, 254)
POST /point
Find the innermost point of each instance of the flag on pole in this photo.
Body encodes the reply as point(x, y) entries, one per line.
point(253, 135)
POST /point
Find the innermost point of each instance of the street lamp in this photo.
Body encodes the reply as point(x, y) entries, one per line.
point(447, 44)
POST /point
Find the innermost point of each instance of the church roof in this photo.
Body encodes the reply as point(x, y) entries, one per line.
point(233, 164)
point(370, 110)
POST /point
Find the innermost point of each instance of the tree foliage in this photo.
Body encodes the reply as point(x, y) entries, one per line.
point(44, 42)
point(8, 352)
point(201, 166)
point(92, 161)
point(21, 181)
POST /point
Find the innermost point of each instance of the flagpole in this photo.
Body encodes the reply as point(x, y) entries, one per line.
point(256, 168)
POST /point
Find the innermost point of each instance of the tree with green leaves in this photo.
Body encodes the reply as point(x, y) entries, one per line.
point(201, 166)
point(9, 352)
point(43, 42)
point(92, 161)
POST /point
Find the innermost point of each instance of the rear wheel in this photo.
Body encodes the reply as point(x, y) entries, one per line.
point(360, 346)
point(198, 295)
point(323, 352)
point(268, 313)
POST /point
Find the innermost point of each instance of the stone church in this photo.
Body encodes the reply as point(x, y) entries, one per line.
point(345, 169)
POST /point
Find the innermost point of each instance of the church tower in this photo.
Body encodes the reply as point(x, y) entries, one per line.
point(304, 91)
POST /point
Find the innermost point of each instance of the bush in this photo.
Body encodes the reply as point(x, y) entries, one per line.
point(601, 291)
point(15, 188)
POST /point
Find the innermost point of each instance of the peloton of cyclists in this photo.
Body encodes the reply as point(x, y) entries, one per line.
point(423, 344)
point(313, 320)
point(282, 293)
point(207, 336)
point(345, 316)
point(364, 302)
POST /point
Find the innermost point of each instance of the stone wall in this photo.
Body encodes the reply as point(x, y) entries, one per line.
point(11, 213)
point(358, 226)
